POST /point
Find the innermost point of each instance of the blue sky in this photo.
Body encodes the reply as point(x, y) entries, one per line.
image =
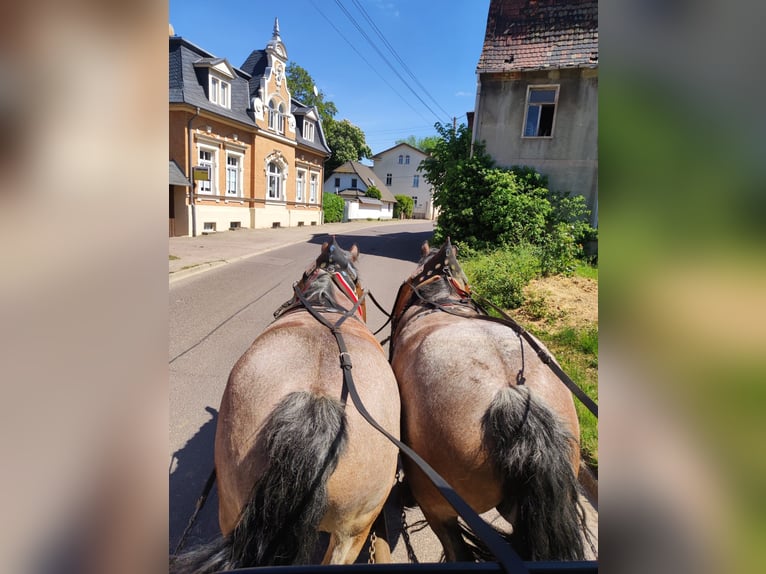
point(438, 41)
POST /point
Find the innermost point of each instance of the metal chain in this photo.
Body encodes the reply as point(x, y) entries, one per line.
point(406, 537)
point(373, 539)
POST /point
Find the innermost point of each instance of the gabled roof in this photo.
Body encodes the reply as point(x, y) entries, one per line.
point(540, 35)
point(403, 144)
point(366, 175)
point(188, 83)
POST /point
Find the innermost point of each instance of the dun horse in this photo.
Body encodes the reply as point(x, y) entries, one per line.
point(481, 407)
point(291, 457)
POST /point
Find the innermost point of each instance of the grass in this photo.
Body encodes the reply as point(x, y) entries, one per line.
point(586, 270)
point(576, 350)
point(173, 257)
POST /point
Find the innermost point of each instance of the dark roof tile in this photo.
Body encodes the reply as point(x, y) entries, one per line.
point(540, 34)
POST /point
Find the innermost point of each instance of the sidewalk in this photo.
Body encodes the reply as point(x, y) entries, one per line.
point(204, 252)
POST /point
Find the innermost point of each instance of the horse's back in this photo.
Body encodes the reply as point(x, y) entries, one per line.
point(298, 355)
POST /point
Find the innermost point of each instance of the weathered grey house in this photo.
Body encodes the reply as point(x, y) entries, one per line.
point(537, 91)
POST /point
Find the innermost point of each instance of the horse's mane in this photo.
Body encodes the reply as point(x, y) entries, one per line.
point(322, 291)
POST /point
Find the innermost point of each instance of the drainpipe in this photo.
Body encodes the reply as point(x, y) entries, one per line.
point(476, 105)
point(191, 189)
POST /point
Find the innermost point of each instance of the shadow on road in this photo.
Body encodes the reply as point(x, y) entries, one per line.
point(391, 245)
point(193, 465)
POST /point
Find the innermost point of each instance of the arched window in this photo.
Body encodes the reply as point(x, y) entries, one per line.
point(274, 181)
point(401, 159)
point(407, 160)
point(276, 116)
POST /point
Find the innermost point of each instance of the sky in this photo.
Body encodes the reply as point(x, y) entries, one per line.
point(429, 76)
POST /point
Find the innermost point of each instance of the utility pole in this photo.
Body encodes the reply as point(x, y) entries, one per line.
point(454, 125)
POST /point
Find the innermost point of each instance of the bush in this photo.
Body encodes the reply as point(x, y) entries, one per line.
point(333, 207)
point(373, 192)
point(501, 275)
point(404, 205)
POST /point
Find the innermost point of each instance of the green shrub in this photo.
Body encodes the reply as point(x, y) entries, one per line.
point(501, 276)
point(404, 205)
point(333, 207)
point(373, 192)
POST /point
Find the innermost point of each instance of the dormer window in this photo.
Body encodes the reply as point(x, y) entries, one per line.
point(308, 130)
point(219, 92)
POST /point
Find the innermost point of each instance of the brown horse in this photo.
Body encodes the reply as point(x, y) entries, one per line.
point(480, 406)
point(291, 457)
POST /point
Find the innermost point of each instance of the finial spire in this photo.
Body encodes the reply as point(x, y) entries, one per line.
point(276, 27)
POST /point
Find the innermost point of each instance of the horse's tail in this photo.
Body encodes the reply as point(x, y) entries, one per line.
point(304, 438)
point(532, 452)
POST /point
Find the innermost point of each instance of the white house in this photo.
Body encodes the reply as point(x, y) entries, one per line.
point(398, 167)
point(351, 181)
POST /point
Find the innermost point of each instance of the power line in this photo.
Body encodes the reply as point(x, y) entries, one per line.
point(384, 58)
point(373, 68)
point(391, 49)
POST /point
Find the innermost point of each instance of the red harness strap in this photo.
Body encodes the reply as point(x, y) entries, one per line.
point(343, 284)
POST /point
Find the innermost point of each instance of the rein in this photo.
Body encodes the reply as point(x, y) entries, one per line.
point(506, 556)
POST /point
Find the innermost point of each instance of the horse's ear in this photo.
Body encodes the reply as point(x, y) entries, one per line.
point(425, 249)
point(354, 252)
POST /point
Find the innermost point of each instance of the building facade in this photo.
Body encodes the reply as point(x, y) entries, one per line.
point(253, 155)
point(537, 91)
point(398, 167)
point(351, 181)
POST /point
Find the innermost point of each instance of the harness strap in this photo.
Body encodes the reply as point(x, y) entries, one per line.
point(545, 357)
point(506, 556)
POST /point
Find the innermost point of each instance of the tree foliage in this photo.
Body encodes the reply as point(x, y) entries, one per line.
point(346, 141)
point(373, 192)
point(489, 208)
point(404, 206)
point(425, 144)
point(302, 88)
point(333, 207)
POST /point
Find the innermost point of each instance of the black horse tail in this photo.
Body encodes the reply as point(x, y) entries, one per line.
point(304, 438)
point(532, 452)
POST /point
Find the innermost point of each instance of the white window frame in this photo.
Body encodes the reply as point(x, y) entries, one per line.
point(415, 180)
point(208, 187)
point(401, 159)
point(238, 191)
point(533, 88)
point(389, 178)
point(313, 187)
point(407, 160)
point(300, 185)
point(277, 179)
point(219, 91)
point(276, 116)
point(308, 130)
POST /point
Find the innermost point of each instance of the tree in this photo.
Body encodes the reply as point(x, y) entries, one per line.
point(404, 205)
point(488, 208)
point(303, 89)
point(373, 192)
point(346, 142)
point(425, 144)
